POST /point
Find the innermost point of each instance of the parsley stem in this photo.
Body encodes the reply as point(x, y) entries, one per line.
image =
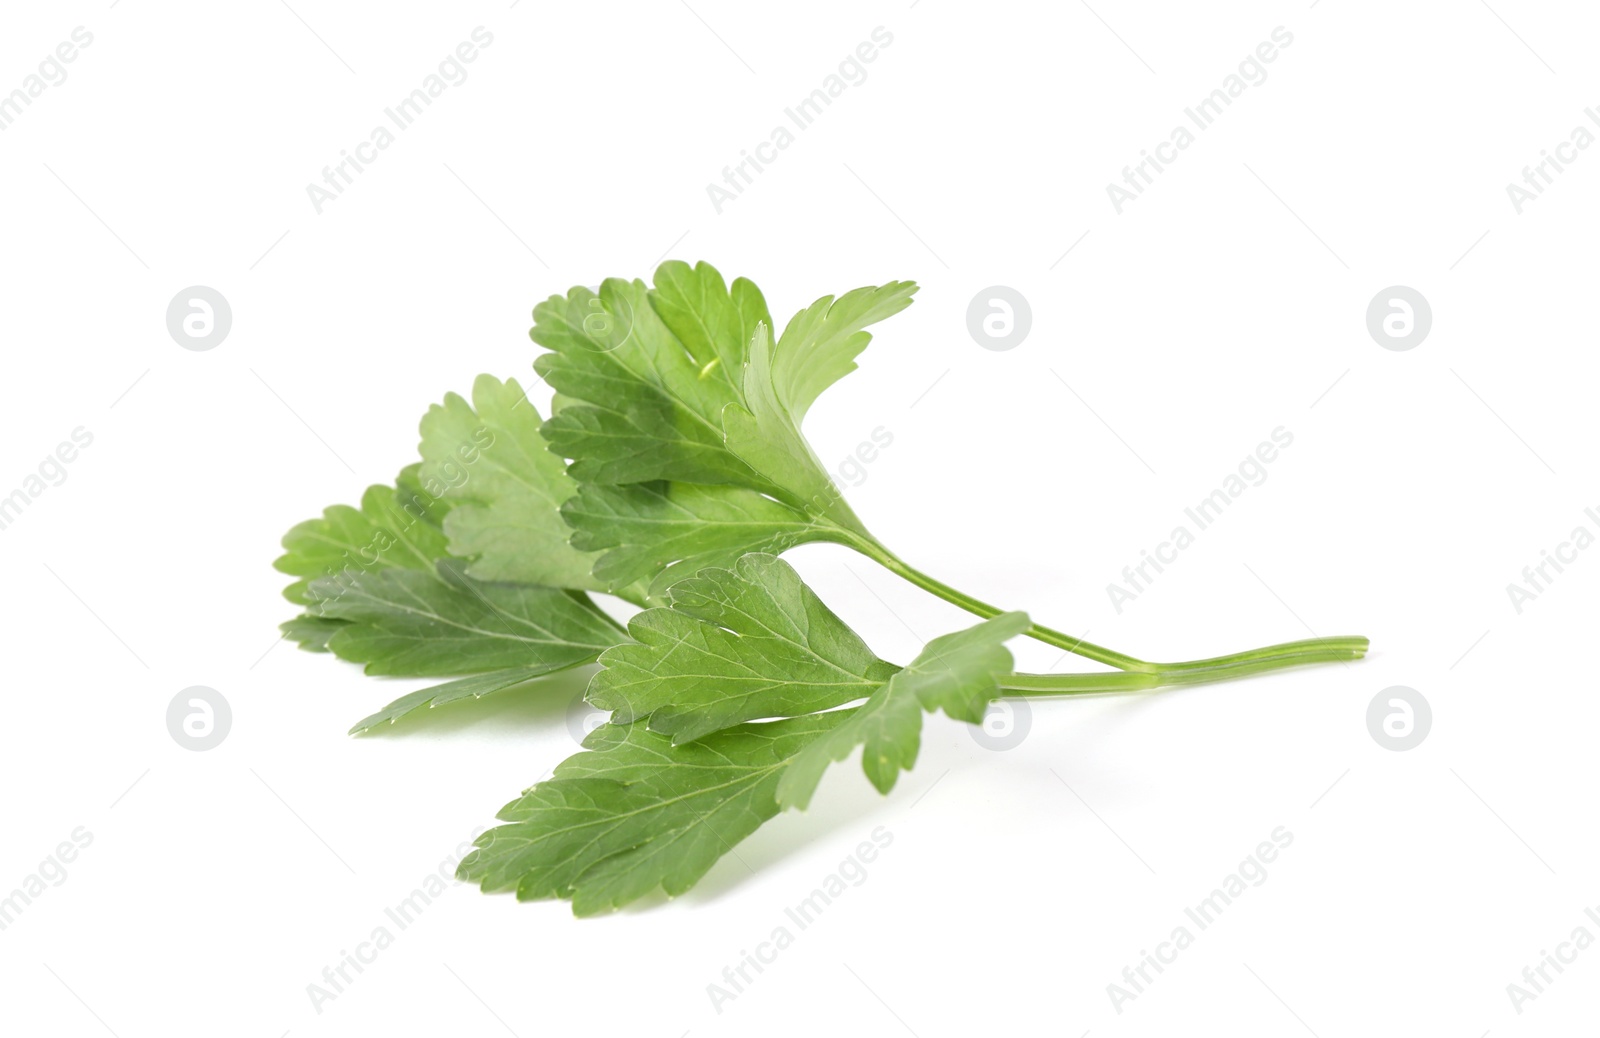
point(1077, 684)
point(1087, 649)
point(1137, 681)
point(1342, 648)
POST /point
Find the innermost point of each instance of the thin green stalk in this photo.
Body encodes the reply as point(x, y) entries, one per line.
point(1137, 681)
point(1077, 684)
point(1342, 648)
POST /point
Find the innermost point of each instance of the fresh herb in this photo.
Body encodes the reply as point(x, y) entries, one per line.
point(681, 417)
point(461, 568)
point(640, 809)
point(693, 760)
point(670, 474)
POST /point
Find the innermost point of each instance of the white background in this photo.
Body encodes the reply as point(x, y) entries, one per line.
point(1228, 300)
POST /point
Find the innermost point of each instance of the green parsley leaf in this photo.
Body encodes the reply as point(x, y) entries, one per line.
point(958, 673)
point(658, 532)
point(644, 807)
point(632, 813)
point(490, 462)
point(645, 404)
point(474, 687)
point(714, 322)
point(390, 529)
point(820, 344)
point(408, 489)
point(681, 385)
point(780, 383)
point(736, 645)
point(488, 490)
point(411, 623)
point(311, 633)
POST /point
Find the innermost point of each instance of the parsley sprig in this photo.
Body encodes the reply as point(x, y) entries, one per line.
point(671, 474)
